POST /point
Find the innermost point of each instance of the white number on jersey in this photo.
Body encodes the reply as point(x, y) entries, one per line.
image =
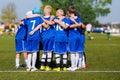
point(44, 29)
point(33, 24)
point(59, 28)
point(75, 29)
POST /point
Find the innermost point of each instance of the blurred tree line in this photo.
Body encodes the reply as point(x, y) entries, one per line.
point(9, 13)
point(89, 10)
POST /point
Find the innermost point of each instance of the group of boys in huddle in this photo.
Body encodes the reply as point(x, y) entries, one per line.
point(61, 35)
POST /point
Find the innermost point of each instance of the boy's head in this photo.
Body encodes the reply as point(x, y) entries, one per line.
point(29, 14)
point(59, 12)
point(48, 9)
point(71, 10)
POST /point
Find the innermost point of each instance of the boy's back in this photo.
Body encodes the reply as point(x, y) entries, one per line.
point(32, 23)
point(21, 32)
point(74, 31)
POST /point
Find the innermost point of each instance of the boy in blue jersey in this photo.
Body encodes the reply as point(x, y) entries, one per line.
point(20, 41)
point(47, 34)
point(32, 40)
point(47, 39)
point(74, 37)
point(60, 47)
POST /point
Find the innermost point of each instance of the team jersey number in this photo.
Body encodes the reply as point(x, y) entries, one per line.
point(44, 29)
point(75, 29)
point(58, 28)
point(33, 24)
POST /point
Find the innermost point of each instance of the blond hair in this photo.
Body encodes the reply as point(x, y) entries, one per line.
point(49, 8)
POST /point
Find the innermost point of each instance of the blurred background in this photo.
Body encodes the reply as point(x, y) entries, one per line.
point(100, 13)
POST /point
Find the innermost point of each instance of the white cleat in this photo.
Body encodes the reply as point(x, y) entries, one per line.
point(69, 69)
point(34, 69)
point(74, 69)
point(29, 69)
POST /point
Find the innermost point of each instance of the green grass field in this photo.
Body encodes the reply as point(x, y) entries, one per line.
point(102, 55)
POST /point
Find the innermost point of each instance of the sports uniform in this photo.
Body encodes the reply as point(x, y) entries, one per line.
point(75, 43)
point(20, 39)
point(74, 40)
point(47, 37)
point(20, 43)
point(48, 43)
point(34, 40)
point(61, 38)
point(61, 44)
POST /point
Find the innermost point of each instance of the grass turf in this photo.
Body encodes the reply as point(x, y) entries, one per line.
point(101, 55)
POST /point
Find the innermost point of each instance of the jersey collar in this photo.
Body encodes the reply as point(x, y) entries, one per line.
point(47, 16)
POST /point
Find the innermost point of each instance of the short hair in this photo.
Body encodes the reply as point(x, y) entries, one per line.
point(72, 9)
point(64, 12)
point(49, 8)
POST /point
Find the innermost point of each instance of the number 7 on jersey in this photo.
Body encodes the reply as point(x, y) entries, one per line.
point(33, 24)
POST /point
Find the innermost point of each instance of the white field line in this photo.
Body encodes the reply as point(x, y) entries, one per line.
point(102, 44)
point(91, 71)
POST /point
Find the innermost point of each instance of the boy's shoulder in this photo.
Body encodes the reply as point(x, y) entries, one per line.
point(34, 18)
point(78, 18)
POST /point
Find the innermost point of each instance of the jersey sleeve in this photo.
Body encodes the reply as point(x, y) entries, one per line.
point(24, 21)
point(68, 21)
point(79, 20)
point(41, 20)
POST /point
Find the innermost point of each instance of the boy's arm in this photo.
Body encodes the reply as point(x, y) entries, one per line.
point(83, 26)
point(50, 21)
point(20, 22)
point(31, 16)
point(34, 30)
point(75, 25)
point(45, 25)
point(78, 25)
point(62, 24)
point(74, 21)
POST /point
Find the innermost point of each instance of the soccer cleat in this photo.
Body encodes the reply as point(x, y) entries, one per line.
point(34, 69)
point(29, 69)
point(74, 69)
point(18, 67)
point(57, 69)
point(42, 68)
point(69, 69)
point(64, 69)
point(47, 68)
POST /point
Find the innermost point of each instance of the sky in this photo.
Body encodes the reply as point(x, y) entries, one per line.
point(114, 16)
point(22, 6)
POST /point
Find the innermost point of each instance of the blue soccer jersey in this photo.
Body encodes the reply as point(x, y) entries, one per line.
point(20, 38)
point(61, 38)
point(47, 37)
point(32, 23)
point(60, 32)
point(82, 34)
point(47, 32)
point(74, 41)
point(21, 32)
point(74, 31)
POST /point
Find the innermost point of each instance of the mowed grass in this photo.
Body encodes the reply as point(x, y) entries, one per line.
point(102, 55)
